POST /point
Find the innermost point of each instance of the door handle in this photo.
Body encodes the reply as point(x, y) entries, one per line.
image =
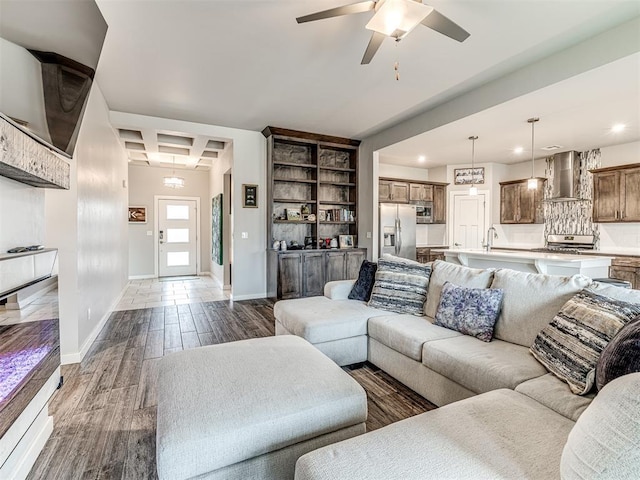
point(161, 237)
point(398, 237)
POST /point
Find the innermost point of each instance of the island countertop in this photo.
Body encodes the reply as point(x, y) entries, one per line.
point(535, 262)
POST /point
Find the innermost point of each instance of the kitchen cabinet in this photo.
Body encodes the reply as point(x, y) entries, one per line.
point(616, 194)
point(518, 204)
point(439, 204)
point(420, 192)
point(426, 254)
point(405, 191)
point(393, 191)
point(626, 268)
point(303, 273)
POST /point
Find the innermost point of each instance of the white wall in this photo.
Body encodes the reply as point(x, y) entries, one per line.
point(88, 223)
point(144, 184)
point(21, 215)
point(222, 165)
point(407, 173)
point(249, 166)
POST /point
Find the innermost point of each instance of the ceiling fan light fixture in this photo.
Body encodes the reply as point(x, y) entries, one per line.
point(396, 18)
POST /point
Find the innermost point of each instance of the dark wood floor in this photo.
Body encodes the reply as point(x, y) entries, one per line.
point(105, 414)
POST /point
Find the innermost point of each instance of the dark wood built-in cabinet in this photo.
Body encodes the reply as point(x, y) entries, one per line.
point(318, 173)
point(420, 192)
point(518, 204)
point(616, 194)
point(303, 273)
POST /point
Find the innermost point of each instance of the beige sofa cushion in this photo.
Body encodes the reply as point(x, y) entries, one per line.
point(320, 319)
point(605, 442)
point(456, 274)
point(406, 333)
point(552, 392)
point(498, 435)
point(481, 366)
point(530, 302)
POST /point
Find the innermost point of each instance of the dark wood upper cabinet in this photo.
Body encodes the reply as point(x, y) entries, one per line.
point(420, 192)
point(406, 191)
point(616, 194)
point(439, 204)
point(520, 205)
point(395, 191)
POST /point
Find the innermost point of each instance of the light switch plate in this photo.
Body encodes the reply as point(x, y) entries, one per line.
point(245, 234)
point(368, 234)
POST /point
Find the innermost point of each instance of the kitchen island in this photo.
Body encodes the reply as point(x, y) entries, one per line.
point(533, 262)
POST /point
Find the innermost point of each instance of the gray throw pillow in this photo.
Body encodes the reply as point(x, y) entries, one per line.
point(400, 286)
point(621, 356)
point(472, 311)
point(569, 347)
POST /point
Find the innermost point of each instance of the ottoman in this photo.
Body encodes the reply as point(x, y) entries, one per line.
point(249, 409)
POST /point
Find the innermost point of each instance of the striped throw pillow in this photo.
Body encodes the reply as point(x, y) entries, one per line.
point(569, 347)
point(400, 286)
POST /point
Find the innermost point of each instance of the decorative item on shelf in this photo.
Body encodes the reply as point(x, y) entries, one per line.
point(322, 215)
point(304, 209)
point(249, 196)
point(311, 217)
point(309, 242)
point(276, 245)
point(283, 245)
point(346, 241)
point(293, 214)
point(352, 217)
point(327, 242)
point(473, 190)
point(333, 243)
point(293, 245)
point(532, 183)
point(173, 181)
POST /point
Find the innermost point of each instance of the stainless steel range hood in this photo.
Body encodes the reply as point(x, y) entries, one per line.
point(566, 177)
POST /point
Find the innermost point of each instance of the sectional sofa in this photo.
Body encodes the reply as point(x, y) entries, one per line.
point(506, 416)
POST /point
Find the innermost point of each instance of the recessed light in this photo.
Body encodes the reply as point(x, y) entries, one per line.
point(518, 150)
point(422, 158)
point(618, 127)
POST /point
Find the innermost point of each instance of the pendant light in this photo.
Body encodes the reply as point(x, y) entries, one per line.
point(173, 181)
point(532, 183)
point(473, 190)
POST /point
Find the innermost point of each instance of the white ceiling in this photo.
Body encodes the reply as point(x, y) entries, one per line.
point(248, 64)
point(576, 114)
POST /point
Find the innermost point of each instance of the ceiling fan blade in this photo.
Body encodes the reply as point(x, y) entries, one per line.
point(441, 24)
point(338, 11)
point(372, 48)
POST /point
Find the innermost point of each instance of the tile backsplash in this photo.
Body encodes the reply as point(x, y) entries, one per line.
point(573, 217)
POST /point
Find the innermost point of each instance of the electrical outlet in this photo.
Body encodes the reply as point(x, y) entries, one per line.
point(368, 234)
point(149, 233)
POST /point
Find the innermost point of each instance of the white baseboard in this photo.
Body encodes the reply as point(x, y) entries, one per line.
point(77, 357)
point(141, 277)
point(250, 296)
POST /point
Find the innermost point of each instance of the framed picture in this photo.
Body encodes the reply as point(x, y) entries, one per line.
point(467, 176)
point(322, 215)
point(345, 241)
point(249, 196)
point(293, 214)
point(137, 214)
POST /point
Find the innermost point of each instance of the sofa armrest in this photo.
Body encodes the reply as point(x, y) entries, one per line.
point(338, 290)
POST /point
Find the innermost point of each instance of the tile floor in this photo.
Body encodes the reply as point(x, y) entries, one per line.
point(153, 292)
point(41, 308)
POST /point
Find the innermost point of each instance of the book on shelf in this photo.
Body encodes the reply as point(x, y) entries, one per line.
point(338, 215)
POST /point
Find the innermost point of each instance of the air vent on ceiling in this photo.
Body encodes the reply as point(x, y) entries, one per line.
point(551, 147)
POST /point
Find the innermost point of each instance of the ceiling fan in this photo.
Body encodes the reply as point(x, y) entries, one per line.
point(395, 19)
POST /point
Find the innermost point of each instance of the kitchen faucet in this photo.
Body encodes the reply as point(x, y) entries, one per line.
point(490, 238)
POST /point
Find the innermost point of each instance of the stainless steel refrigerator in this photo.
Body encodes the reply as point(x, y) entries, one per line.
point(398, 230)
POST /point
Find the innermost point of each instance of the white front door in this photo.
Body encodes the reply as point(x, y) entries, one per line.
point(177, 237)
point(469, 214)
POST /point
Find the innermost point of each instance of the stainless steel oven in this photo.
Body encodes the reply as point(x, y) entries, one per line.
point(424, 212)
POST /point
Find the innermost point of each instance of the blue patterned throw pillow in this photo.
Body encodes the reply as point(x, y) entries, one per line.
point(400, 286)
point(472, 311)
